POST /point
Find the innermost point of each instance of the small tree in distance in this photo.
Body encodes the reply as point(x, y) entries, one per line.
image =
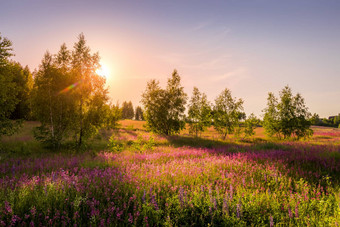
point(249, 125)
point(271, 122)
point(127, 110)
point(287, 117)
point(228, 112)
point(112, 115)
point(164, 108)
point(199, 113)
point(139, 114)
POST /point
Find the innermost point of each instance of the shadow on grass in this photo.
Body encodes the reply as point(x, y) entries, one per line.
point(316, 164)
point(256, 144)
point(180, 141)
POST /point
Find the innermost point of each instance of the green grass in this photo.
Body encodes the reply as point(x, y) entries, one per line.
point(170, 181)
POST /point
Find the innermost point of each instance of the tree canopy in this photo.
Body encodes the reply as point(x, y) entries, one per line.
point(199, 113)
point(127, 110)
point(9, 89)
point(287, 116)
point(228, 111)
point(164, 108)
point(139, 114)
point(69, 96)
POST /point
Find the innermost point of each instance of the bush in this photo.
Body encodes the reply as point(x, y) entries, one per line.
point(115, 145)
point(143, 145)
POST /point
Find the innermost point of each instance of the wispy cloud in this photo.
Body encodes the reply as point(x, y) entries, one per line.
point(236, 75)
point(200, 26)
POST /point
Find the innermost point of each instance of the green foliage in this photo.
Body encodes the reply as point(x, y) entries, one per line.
point(164, 108)
point(262, 184)
point(142, 144)
point(8, 90)
point(55, 110)
point(227, 113)
point(23, 79)
point(332, 121)
point(315, 119)
point(139, 114)
point(69, 97)
point(289, 117)
point(199, 113)
point(91, 96)
point(115, 145)
point(271, 116)
point(127, 110)
point(113, 114)
point(249, 125)
point(5, 50)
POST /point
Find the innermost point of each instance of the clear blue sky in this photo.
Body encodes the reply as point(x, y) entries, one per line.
point(251, 47)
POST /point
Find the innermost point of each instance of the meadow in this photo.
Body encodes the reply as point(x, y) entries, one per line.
point(130, 177)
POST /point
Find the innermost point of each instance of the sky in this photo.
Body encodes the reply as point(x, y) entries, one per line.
point(251, 47)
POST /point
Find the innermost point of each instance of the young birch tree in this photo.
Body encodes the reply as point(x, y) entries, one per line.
point(164, 108)
point(199, 113)
point(227, 113)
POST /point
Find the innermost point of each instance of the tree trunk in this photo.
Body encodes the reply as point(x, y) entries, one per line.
point(51, 117)
point(81, 123)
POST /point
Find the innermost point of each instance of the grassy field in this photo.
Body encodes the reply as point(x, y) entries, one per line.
point(131, 177)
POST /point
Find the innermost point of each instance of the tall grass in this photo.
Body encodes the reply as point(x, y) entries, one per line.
point(158, 181)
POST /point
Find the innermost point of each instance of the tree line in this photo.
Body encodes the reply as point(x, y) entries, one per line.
point(332, 121)
point(69, 99)
point(65, 94)
point(284, 117)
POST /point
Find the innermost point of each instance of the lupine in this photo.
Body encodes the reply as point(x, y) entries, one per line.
point(225, 206)
point(290, 213)
point(238, 210)
point(143, 198)
point(296, 211)
point(271, 221)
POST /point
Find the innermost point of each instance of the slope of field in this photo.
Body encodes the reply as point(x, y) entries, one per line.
point(140, 179)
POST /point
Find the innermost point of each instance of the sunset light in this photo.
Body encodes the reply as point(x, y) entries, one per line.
point(169, 113)
point(104, 71)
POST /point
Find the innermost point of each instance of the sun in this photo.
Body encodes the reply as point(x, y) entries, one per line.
point(103, 71)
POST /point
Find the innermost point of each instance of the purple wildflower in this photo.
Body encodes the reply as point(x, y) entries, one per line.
point(238, 210)
point(271, 221)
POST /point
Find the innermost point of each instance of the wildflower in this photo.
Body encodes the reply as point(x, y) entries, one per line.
point(130, 218)
point(238, 210)
point(33, 211)
point(13, 169)
point(154, 202)
point(53, 177)
point(15, 219)
point(225, 206)
point(214, 202)
point(8, 208)
point(290, 213)
point(143, 198)
point(181, 196)
point(146, 221)
point(271, 221)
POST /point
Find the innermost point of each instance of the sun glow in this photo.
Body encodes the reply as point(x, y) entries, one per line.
point(103, 71)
